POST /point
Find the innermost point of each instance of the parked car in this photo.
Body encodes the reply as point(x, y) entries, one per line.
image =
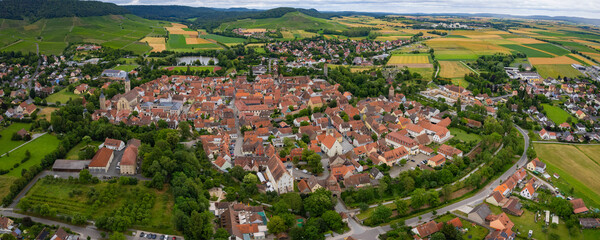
point(142, 234)
point(412, 160)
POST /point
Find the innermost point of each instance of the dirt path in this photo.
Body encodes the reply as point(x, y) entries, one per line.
point(18, 41)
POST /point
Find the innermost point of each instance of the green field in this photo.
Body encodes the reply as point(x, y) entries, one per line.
point(547, 47)
point(53, 35)
point(557, 115)
point(461, 135)
point(62, 96)
point(223, 39)
point(126, 68)
point(293, 21)
point(177, 42)
point(73, 198)
point(578, 167)
point(38, 149)
point(576, 46)
point(5, 183)
point(557, 70)
point(526, 222)
point(474, 232)
point(73, 154)
point(528, 51)
point(6, 144)
point(456, 55)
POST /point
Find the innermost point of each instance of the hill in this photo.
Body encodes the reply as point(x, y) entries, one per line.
point(54, 34)
point(290, 21)
point(36, 9)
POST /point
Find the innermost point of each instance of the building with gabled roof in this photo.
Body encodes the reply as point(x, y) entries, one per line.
point(281, 180)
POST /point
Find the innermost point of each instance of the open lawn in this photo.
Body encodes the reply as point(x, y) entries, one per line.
point(38, 149)
point(73, 198)
point(464, 136)
point(474, 232)
point(427, 73)
point(73, 154)
point(6, 144)
point(556, 70)
point(526, 222)
point(453, 69)
point(557, 114)
point(126, 67)
point(577, 166)
point(62, 96)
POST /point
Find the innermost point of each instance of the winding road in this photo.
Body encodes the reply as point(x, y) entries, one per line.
point(362, 232)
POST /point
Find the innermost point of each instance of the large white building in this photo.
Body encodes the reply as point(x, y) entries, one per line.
point(281, 180)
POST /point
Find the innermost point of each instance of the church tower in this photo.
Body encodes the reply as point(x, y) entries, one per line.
point(102, 101)
point(127, 85)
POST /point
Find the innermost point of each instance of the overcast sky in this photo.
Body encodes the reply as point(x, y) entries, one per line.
point(575, 8)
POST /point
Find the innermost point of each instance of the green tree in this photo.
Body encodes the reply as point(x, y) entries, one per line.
point(317, 203)
point(333, 220)
point(276, 225)
point(200, 226)
point(117, 236)
point(221, 234)
point(401, 207)
point(418, 198)
point(437, 236)
point(250, 178)
point(381, 214)
point(85, 176)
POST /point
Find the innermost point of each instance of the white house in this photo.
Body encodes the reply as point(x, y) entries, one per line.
point(528, 190)
point(330, 146)
point(281, 180)
point(113, 144)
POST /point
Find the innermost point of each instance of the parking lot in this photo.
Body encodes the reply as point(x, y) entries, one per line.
point(141, 235)
point(411, 163)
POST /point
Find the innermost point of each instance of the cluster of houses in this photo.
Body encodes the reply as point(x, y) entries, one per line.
point(375, 129)
point(333, 51)
point(581, 101)
point(126, 160)
point(424, 231)
point(8, 226)
point(240, 220)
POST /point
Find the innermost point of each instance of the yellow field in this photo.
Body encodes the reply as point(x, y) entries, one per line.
point(476, 45)
point(47, 112)
point(580, 163)
point(255, 30)
point(193, 40)
point(177, 28)
point(408, 59)
point(453, 69)
point(595, 56)
point(156, 43)
point(483, 36)
point(153, 40)
point(554, 60)
point(582, 59)
point(251, 45)
point(390, 38)
point(526, 40)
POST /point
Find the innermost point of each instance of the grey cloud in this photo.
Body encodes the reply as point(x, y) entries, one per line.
point(581, 8)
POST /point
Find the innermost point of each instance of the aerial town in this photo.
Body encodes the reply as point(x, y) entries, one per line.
point(251, 124)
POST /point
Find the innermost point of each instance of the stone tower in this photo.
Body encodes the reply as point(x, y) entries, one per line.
point(127, 85)
point(391, 93)
point(325, 70)
point(102, 101)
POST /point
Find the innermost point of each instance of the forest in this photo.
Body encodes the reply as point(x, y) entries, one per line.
point(36, 9)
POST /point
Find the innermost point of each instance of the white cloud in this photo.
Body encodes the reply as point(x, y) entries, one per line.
point(580, 8)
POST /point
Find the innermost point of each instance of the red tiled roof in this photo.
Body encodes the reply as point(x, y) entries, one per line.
point(101, 158)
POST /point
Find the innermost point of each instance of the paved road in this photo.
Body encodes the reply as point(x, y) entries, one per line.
point(35, 136)
point(543, 182)
point(481, 195)
point(86, 231)
point(362, 232)
point(438, 189)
